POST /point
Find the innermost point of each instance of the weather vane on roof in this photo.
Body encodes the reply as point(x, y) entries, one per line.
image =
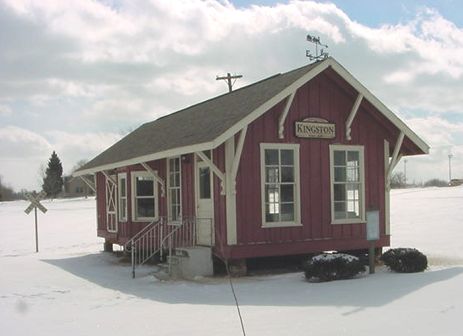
point(319, 55)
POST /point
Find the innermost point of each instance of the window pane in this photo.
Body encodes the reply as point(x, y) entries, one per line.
point(271, 193)
point(204, 183)
point(340, 174)
point(271, 156)
point(272, 174)
point(271, 217)
point(287, 174)
point(339, 210)
point(122, 186)
point(122, 209)
point(353, 157)
point(339, 158)
point(287, 157)
point(145, 186)
point(287, 193)
point(287, 212)
point(173, 196)
point(352, 191)
point(339, 192)
point(145, 207)
point(352, 174)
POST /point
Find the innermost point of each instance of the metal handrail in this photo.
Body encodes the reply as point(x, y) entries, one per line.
point(141, 232)
point(162, 234)
point(144, 245)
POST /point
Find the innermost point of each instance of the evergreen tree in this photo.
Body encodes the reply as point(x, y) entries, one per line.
point(53, 180)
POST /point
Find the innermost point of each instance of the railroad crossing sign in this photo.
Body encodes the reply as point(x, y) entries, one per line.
point(35, 199)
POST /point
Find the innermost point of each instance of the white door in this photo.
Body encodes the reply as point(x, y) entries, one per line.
point(204, 204)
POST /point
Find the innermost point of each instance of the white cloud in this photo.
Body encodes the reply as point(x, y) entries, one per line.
point(103, 65)
point(19, 143)
point(73, 147)
point(5, 110)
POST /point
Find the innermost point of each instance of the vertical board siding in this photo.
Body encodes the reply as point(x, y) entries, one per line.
point(326, 98)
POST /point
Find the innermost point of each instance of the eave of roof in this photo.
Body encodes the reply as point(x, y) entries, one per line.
point(296, 79)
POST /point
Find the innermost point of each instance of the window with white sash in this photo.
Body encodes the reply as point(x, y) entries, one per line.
point(174, 194)
point(347, 184)
point(122, 196)
point(144, 197)
point(280, 185)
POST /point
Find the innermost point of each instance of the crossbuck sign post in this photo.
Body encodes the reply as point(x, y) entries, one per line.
point(35, 199)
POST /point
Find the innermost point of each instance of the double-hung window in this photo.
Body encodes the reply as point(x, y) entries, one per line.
point(280, 185)
point(122, 195)
point(174, 189)
point(347, 184)
point(144, 197)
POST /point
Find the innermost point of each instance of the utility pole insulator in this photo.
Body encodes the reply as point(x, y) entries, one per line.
point(228, 78)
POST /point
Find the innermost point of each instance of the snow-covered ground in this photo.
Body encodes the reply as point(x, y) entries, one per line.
point(71, 288)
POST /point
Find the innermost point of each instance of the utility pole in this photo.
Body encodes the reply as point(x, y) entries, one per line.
point(228, 78)
point(450, 167)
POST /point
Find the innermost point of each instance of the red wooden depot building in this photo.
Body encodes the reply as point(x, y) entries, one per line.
point(288, 165)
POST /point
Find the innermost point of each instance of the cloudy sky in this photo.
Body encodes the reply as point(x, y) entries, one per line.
point(75, 76)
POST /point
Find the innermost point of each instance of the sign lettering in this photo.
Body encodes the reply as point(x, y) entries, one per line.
point(315, 128)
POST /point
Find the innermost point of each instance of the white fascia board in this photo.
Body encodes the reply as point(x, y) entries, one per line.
point(340, 70)
point(150, 157)
point(379, 105)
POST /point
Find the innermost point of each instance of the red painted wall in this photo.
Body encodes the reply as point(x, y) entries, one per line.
point(330, 99)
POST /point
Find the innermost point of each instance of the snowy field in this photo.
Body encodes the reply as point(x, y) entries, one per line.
point(71, 288)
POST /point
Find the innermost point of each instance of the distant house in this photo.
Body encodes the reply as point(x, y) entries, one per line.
point(455, 182)
point(76, 187)
point(288, 165)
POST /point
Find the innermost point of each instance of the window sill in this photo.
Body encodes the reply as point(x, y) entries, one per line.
point(280, 224)
point(144, 219)
point(349, 221)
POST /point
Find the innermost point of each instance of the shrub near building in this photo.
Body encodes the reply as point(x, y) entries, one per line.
point(405, 260)
point(333, 266)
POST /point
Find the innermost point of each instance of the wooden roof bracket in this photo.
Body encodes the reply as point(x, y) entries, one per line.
point(214, 169)
point(395, 156)
point(108, 177)
point(89, 183)
point(284, 114)
point(353, 113)
point(237, 158)
point(156, 177)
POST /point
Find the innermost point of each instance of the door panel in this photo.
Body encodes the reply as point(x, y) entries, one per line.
point(204, 204)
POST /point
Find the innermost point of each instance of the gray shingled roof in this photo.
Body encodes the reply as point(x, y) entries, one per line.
point(197, 124)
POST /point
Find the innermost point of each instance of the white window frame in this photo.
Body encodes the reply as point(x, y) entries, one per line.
point(135, 218)
point(297, 182)
point(170, 188)
point(360, 150)
point(120, 177)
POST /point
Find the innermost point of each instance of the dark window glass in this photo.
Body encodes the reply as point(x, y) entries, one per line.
point(145, 186)
point(271, 157)
point(204, 183)
point(145, 207)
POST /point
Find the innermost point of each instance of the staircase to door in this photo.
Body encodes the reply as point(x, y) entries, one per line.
point(162, 237)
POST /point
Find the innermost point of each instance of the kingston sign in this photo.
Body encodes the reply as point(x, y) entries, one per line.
point(315, 128)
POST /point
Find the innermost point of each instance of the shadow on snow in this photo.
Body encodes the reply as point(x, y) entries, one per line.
point(366, 291)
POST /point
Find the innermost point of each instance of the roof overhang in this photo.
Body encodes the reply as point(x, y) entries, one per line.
point(346, 75)
point(155, 156)
point(315, 71)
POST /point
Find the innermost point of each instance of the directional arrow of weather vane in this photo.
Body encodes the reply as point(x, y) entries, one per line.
point(35, 203)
